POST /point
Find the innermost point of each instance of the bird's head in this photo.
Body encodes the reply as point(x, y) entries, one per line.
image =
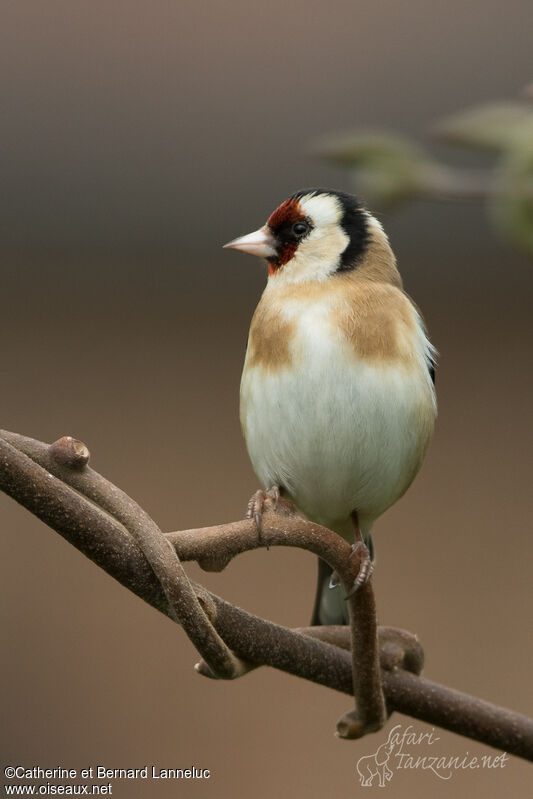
point(313, 234)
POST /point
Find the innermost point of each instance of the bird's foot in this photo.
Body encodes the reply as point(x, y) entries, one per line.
point(259, 502)
point(270, 500)
point(366, 566)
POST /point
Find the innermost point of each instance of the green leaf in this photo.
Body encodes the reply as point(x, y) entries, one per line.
point(491, 127)
point(387, 168)
point(512, 202)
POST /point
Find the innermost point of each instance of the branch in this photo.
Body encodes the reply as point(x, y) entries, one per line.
point(104, 505)
point(49, 485)
point(67, 459)
point(214, 547)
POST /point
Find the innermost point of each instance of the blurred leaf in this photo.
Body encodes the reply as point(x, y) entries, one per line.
point(493, 127)
point(528, 91)
point(512, 203)
point(387, 168)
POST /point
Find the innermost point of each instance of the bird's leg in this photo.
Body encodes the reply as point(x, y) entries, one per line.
point(366, 566)
point(359, 548)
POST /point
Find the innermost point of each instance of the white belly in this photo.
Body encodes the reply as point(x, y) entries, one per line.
point(338, 434)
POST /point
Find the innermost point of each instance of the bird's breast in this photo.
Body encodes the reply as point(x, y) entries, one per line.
point(336, 401)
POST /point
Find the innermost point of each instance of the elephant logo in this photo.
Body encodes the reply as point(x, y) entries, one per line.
point(370, 766)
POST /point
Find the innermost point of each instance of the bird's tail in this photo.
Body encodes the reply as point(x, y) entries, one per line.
point(330, 601)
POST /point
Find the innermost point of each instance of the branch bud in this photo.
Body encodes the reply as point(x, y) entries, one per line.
point(70, 452)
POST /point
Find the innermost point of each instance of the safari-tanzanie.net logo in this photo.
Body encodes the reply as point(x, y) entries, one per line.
point(406, 749)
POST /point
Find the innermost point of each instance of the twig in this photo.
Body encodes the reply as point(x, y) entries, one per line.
point(213, 547)
point(370, 713)
point(66, 461)
point(404, 692)
point(108, 543)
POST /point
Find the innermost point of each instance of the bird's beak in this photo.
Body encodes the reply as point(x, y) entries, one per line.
point(260, 242)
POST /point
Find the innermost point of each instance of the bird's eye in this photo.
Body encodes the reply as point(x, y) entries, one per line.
point(300, 228)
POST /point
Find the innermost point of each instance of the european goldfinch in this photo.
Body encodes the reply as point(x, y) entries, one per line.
point(337, 393)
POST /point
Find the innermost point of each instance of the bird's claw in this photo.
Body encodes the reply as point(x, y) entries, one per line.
point(271, 501)
point(366, 567)
point(334, 579)
point(257, 505)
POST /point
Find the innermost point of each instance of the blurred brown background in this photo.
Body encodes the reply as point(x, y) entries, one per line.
point(136, 138)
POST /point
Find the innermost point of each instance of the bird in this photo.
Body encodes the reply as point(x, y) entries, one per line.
point(337, 395)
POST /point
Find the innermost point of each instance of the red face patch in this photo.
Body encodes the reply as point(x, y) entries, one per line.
point(286, 253)
point(287, 213)
point(280, 222)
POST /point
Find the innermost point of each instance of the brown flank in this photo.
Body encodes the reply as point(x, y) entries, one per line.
point(270, 337)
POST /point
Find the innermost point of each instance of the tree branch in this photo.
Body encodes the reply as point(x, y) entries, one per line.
point(118, 536)
point(213, 548)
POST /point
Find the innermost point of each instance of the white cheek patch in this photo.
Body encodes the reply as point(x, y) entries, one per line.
point(317, 256)
point(325, 244)
point(323, 209)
